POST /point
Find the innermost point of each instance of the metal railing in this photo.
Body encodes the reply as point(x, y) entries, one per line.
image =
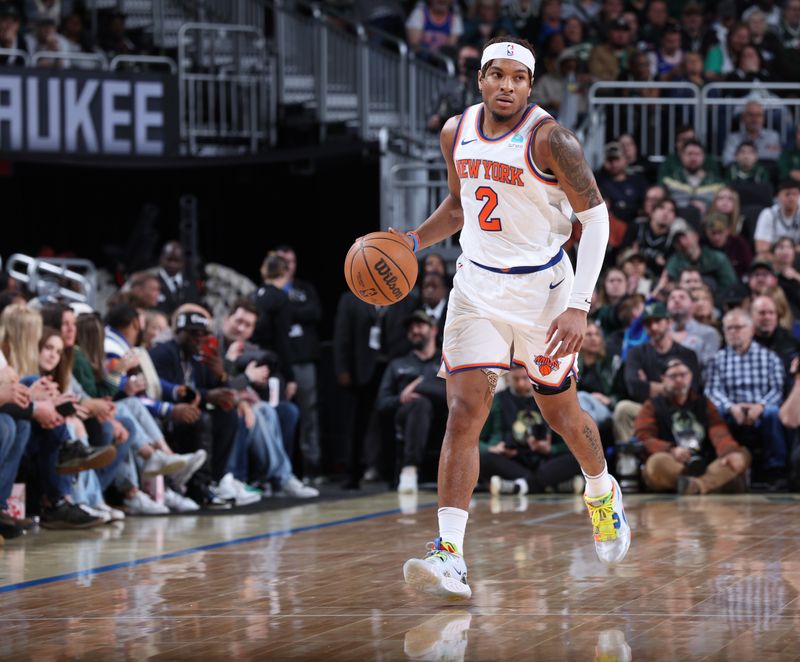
point(723, 102)
point(147, 62)
point(222, 86)
point(71, 279)
point(619, 107)
point(16, 53)
point(83, 60)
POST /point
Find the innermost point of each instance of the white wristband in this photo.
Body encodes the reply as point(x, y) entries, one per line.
point(591, 254)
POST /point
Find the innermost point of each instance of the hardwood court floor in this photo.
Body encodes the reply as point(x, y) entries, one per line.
point(712, 578)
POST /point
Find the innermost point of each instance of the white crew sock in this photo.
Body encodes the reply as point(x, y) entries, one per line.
point(598, 485)
point(452, 525)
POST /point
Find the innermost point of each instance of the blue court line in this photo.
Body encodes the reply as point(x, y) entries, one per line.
point(204, 548)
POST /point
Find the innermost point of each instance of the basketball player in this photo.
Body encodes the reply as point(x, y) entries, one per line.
point(515, 178)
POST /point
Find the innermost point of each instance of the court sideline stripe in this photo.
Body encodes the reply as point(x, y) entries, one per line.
point(204, 548)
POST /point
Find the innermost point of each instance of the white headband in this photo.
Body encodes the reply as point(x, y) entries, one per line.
point(508, 50)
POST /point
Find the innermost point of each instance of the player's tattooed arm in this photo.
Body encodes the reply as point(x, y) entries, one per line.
point(558, 150)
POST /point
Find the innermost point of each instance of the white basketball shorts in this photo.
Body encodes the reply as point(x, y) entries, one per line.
point(496, 320)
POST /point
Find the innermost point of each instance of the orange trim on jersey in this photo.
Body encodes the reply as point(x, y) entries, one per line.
point(471, 366)
point(539, 381)
point(550, 180)
point(458, 133)
point(479, 130)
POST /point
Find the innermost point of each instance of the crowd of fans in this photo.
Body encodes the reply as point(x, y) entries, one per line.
point(61, 26)
point(155, 406)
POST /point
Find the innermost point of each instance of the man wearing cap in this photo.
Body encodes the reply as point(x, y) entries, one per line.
point(712, 264)
point(625, 191)
point(44, 37)
point(645, 366)
point(780, 220)
point(9, 34)
point(745, 383)
point(515, 178)
point(690, 448)
point(414, 396)
point(719, 237)
point(610, 59)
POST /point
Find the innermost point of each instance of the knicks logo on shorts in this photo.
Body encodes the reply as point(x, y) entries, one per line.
point(546, 364)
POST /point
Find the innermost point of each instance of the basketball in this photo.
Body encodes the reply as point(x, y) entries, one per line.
point(380, 268)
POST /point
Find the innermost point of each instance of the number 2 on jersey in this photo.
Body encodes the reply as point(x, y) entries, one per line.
point(486, 223)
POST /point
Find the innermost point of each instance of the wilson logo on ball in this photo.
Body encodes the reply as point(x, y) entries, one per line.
point(385, 272)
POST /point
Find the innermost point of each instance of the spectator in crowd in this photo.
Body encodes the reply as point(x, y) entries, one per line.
point(637, 164)
point(614, 287)
point(434, 262)
point(575, 38)
point(610, 11)
point(414, 396)
point(175, 287)
point(250, 367)
point(52, 9)
point(519, 452)
point(720, 59)
point(306, 313)
point(275, 317)
point(583, 11)
point(156, 328)
point(44, 37)
point(665, 60)
point(645, 366)
point(692, 184)
point(780, 220)
point(767, 141)
point(487, 21)
point(365, 339)
point(146, 286)
point(718, 236)
point(704, 340)
point(634, 266)
point(695, 38)
point(113, 39)
point(746, 167)
point(653, 240)
point(691, 71)
point(655, 22)
point(784, 259)
point(598, 388)
point(714, 266)
point(654, 194)
point(790, 40)
point(564, 90)
point(745, 384)
point(386, 15)
point(790, 417)
point(703, 300)
point(690, 448)
point(434, 301)
point(78, 40)
point(762, 278)
point(770, 334)
point(764, 39)
point(626, 191)
point(153, 455)
point(523, 14)
point(672, 165)
point(628, 311)
point(15, 430)
point(10, 36)
point(768, 10)
point(432, 25)
point(749, 68)
point(726, 203)
point(459, 92)
point(610, 59)
point(789, 162)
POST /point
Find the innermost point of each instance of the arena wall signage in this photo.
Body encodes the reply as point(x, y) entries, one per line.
point(47, 113)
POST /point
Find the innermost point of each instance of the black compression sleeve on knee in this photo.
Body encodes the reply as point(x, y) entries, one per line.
point(552, 390)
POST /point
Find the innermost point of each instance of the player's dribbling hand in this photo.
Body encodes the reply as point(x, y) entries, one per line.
point(565, 335)
point(409, 241)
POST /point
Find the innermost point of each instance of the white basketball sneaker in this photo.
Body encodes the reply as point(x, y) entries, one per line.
point(612, 535)
point(442, 572)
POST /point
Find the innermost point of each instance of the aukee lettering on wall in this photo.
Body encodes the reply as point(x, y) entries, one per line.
point(82, 114)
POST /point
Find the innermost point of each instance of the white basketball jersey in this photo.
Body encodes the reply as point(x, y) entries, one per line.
point(515, 215)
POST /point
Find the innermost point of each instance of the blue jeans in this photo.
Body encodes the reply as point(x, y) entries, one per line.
point(88, 486)
point(43, 446)
point(289, 416)
point(262, 447)
point(14, 435)
point(596, 409)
